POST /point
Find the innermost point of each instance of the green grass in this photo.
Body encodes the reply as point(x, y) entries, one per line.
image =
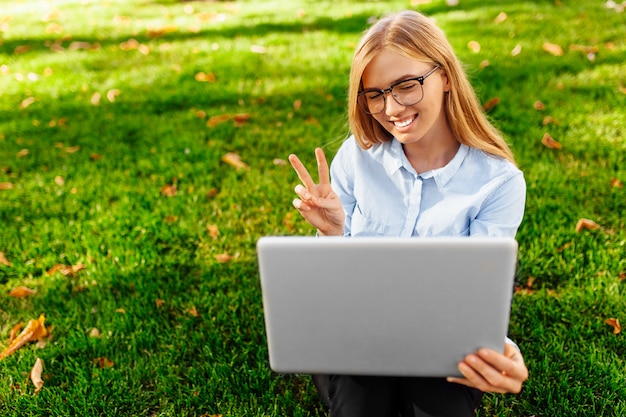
point(141, 248)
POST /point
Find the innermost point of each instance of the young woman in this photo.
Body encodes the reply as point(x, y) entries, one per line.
point(423, 160)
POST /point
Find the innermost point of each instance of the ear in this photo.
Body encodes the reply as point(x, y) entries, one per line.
point(445, 80)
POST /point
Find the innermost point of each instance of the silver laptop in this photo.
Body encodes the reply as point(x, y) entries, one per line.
point(384, 306)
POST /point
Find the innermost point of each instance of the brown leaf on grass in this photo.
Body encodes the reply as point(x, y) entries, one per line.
point(216, 120)
point(27, 102)
point(6, 186)
point(549, 120)
point(538, 105)
point(193, 311)
point(223, 258)
point(95, 157)
point(241, 118)
point(160, 31)
point(617, 328)
point(517, 50)
point(622, 89)
point(159, 302)
point(586, 224)
point(203, 77)
point(549, 142)
point(60, 181)
point(297, 104)
point(15, 330)
point(95, 99)
point(501, 17)
point(4, 260)
point(213, 230)
point(95, 333)
point(35, 375)
point(235, 161)
point(552, 48)
point(103, 363)
point(21, 292)
point(23, 153)
point(112, 94)
point(67, 270)
point(615, 183)
point(491, 103)
point(71, 149)
point(168, 190)
point(473, 46)
point(34, 330)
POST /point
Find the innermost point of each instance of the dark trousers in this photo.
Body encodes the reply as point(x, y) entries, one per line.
point(372, 396)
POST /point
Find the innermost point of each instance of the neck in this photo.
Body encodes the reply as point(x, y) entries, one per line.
point(428, 155)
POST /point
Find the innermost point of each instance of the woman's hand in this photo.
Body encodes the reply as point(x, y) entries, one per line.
point(318, 203)
point(490, 371)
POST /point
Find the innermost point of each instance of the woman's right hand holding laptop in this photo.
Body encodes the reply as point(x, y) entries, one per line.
point(318, 203)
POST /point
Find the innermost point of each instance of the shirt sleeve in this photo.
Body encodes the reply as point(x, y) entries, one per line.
point(503, 210)
point(342, 182)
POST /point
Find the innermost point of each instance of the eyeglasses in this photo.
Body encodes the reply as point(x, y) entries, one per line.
point(405, 92)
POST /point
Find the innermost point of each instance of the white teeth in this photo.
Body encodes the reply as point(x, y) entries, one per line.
point(404, 123)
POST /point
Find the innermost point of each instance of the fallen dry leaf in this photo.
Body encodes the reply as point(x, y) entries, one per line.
point(235, 161)
point(157, 32)
point(473, 46)
point(615, 183)
point(586, 224)
point(208, 77)
point(103, 363)
point(95, 99)
point(538, 105)
point(501, 17)
point(4, 260)
point(615, 323)
point(213, 230)
point(193, 311)
point(112, 94)
point(35, 375)
point(21, 292)
point(34, 330)
point(297, 104)
point(27, 102)
point(216, 120)
point(159, 302)
point(95, 333)
point(552, 48)
point(279, 162)
point(6, 186)
point(517, 50)
point(169, 190)
point(549, 142)
point(223, 258)
point(491, 103)
point(60, 181)
point(15, 331)
point(241, 118)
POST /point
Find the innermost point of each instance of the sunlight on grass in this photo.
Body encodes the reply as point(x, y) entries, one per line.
point(105, 103)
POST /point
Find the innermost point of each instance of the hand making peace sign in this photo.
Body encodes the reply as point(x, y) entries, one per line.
point(318, 203)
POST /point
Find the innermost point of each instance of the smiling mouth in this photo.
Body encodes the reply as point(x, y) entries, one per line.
point(405, 122)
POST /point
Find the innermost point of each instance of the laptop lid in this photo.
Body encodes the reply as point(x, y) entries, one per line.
point(383, 305)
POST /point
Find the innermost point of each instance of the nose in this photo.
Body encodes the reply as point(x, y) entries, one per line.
point(392, 107)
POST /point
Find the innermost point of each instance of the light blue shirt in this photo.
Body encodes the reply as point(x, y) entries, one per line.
point(475, 194)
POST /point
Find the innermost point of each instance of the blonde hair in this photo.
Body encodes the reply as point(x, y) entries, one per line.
point(416, 36)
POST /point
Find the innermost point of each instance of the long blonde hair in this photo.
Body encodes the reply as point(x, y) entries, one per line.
point(416, 36)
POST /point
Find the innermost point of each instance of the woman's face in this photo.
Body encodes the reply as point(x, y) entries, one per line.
point(420, 122)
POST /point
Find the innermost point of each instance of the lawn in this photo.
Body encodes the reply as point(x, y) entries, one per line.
point(142, 154)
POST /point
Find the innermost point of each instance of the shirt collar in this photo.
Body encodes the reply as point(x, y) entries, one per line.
point(393, 158)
